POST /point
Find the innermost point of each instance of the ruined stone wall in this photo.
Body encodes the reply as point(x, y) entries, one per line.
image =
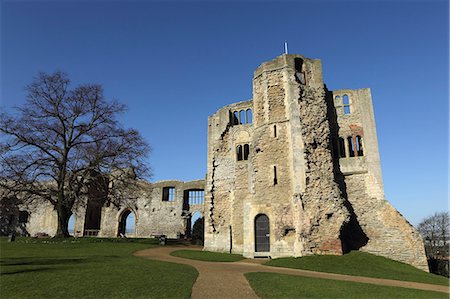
point(389, 233)
point(324, 208)
point(289, 174)
point(153, 216)
point(222, 211)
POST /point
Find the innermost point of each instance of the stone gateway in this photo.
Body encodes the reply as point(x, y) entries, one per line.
point(294, 171)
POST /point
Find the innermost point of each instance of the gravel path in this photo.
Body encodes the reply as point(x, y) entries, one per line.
point(226, 280)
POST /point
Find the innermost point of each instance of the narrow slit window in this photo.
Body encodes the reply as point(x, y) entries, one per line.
point(275, 179)
point(246, 151)
point(351, 146)
point(274, 130)
point(346, 104)
point(359, 147)
point(341, 147)
point(239, 152)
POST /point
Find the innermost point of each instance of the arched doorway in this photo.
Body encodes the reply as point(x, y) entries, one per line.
point(127, 224)
point(262, 233)
point(197, 228)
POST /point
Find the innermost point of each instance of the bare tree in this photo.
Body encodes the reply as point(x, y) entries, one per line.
point(64, 144)
point(435, 231)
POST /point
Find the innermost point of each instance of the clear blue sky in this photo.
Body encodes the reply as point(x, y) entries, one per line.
point(175, 63)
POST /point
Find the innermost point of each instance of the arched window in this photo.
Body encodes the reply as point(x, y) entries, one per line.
point(246, 151)
point(351, 146)
point(242, 117)
point(235, 120)
point(346, 104)
point(359, 147)
point(249, 116)
point(239, 153)
point(341, 147)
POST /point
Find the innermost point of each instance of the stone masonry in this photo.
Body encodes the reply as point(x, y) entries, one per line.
point(311, 171)
point(294, 171)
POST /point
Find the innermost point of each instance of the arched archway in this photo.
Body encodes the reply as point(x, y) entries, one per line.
point(197, 228)
point(262, 233)
point(71, 226)
point(127, 224)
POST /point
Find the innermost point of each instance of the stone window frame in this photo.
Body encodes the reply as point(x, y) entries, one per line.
point(168, 193)
point(342, 105)
point(346, 103)
point(242, 116)
point(242, 152)
point(354, 146)
point(197, 198)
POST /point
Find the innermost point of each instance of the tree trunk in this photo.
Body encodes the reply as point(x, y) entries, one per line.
point(63, 222)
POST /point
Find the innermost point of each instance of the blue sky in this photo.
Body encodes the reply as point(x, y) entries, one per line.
point(175, 63)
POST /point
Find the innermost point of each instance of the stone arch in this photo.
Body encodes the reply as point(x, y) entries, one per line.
point(122, 218)
point(197, 228)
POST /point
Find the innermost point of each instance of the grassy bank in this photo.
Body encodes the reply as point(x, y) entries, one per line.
point(360, 264)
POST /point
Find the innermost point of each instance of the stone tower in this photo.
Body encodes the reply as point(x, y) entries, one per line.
point(296, 171)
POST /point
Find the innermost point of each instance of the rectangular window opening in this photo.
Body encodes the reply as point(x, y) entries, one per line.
point(168, 194)
point(196, 197)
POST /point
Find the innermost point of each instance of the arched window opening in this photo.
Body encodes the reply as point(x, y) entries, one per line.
point(127, 224)
point(242, 117)
point(262, 233)
point(249, 115)
point(235, 116)
point(341, 147)
point(239, 153)
point(359, 147)
point(246, 151)
point(351, 146)
point(346, 104)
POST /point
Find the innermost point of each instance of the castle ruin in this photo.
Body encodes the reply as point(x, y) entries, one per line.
point(292, 172)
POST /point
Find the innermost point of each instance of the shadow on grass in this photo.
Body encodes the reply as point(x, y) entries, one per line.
point(20, 271)
point(25, 261)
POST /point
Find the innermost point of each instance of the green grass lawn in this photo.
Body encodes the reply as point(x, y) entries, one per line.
point(271, 285)
point(360, 264)
point(207, 256)
point(88, 268)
